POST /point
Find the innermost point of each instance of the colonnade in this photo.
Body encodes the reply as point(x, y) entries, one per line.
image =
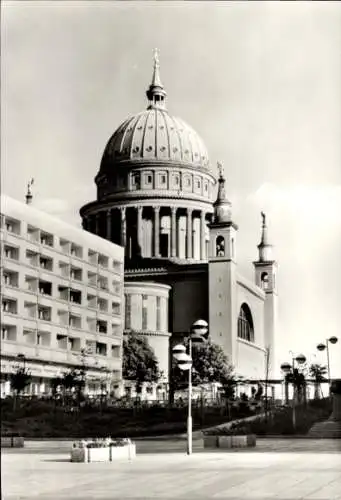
point(128, 224)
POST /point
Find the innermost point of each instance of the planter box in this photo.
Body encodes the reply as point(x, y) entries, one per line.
point(105, 454)
point(210, 441)
point(228, 442)
point(12, 442)
point(224, 441)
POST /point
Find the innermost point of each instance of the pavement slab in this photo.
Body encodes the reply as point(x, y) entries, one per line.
point(45, 472)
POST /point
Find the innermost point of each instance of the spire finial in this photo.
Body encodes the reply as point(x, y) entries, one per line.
point(156, 93)
point(220, 170)
point(28, 192)
point(156, 58)
point(264, 247)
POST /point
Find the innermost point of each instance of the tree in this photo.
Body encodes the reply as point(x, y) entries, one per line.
point(210, 364)
point(297, 379)
point(19, 380)
point(139, 361)
point(317, 372)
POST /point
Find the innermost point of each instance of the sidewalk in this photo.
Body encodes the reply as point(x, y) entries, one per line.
point(247, 476)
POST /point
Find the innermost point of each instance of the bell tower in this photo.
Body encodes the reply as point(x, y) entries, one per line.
point(222, 272)
point(266, 278)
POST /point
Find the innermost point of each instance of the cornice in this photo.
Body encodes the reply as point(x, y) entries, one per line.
point(147, 333)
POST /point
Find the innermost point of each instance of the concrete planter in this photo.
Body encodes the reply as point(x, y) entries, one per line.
point(210, 441)
point(228, 442)
point(104, 454)
point(12, 442)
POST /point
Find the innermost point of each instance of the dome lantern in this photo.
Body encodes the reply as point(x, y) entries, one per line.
point(156, 93)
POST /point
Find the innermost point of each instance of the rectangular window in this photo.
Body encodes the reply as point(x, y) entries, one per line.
point(163, 179)
point(149, 179)
point(158, 313)
point(144, 312)
point(128, 312)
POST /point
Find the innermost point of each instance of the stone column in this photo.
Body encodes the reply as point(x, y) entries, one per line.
point(97, 223)
point(202, 235)
point(139, 229)
point(109, 225)
point(189, 234)
point(123, 227)
point(156, 231)
point(173, 232)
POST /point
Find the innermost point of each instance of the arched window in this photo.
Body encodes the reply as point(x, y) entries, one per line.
point(245, 324)
point(220, 246)
point(264, 281)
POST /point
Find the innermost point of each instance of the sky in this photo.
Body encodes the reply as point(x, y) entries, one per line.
point(259, 81)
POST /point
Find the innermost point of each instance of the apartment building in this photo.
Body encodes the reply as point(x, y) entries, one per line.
point(62, 300)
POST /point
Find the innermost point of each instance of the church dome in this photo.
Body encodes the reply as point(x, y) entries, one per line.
point(154, 136)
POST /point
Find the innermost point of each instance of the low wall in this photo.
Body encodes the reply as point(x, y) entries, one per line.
point(12, 442)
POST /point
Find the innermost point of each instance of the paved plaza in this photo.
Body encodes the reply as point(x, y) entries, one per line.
point(276, 469)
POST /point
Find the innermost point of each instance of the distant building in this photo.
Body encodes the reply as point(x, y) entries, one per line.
point(61, 300)
point(157, 197)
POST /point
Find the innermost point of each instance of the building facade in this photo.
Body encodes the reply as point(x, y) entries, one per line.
point(62, 301)
point(158, 198)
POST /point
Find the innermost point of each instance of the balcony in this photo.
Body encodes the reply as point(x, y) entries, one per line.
point(76, 251)
point(30, 310)
point(74, 344)
point(64, 270)
point(103, 261)
point(101, 349)
point(115, 351)
point(65, 246)
point(76, 273)
point(46, 239)
point(117, 266)
point(11, 252)
point(116, 309)
point(62, 341)
point(32, 258)
point(92, 257)
point(92, 301)
point(75, 321)
point(10, 278)
point(9, 332)
point(9, 306)
point(101, 326)
point(92, 279)
point(44, 338)
point(75, 296)
point(91, 323)
point(116, 287)
point(102, 283)
point(63, 317)
point(103, 305)
point(45, 288)
point(12, 225)
point(44, 313)
point(30, 337)
point(33, 234)
point(46, 263)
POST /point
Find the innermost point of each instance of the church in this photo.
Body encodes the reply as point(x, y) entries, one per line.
point(157, 197)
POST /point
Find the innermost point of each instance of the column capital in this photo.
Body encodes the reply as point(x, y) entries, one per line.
point(123, 210)
point(156, 208)
point(189, 210)
point(173, 210)
point(109, 211)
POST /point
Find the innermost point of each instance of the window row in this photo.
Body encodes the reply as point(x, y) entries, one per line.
point(67, 247)
point(63, 341)
point(145, 180)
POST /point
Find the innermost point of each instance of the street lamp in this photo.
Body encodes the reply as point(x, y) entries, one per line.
point(198, 333)
point(322, 347)
point(286, 369)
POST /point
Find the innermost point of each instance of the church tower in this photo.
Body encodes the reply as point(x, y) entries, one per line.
point(265, 275)
point(222, 268)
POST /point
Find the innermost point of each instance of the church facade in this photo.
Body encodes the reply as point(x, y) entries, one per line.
point(157, 197)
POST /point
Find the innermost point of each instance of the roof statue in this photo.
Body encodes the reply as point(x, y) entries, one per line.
point(220, 169)
point(28, 192)
point(263, 218)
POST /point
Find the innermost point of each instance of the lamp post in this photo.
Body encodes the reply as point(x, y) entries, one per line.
point(197, 333)
point(322, 347)
point(286, 369)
